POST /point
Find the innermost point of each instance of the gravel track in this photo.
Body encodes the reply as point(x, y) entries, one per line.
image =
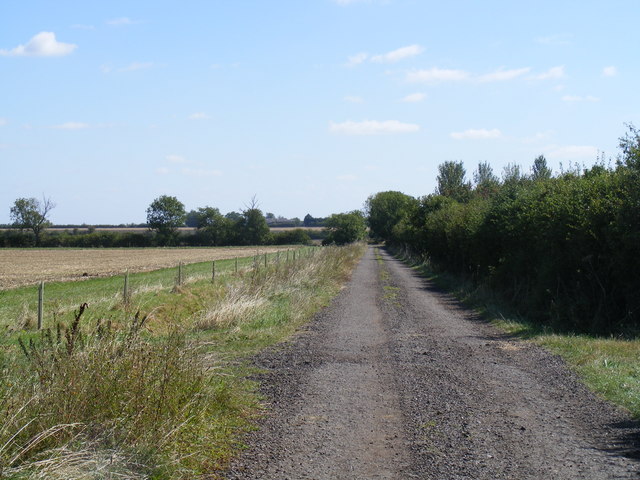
point(395, 380)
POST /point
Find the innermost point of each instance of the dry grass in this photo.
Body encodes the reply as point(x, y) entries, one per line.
point(20, 267)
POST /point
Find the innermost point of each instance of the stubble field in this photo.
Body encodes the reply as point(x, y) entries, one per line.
point(20, 267)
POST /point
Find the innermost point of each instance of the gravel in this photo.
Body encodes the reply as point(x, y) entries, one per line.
point(395, 380)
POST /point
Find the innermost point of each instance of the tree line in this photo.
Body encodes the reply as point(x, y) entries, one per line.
point(563, 248)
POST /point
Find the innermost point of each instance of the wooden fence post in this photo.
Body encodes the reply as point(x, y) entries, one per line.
point(265, 260)
point(125, 290)
point(213, 272)
point(40, 304)
point(236, 264)
point(180, 274)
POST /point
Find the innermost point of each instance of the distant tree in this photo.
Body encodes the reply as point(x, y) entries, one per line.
point(451, 181)
point(165, 215)
point(233, 216)
point(485, 180)
point(540, 170)
point(31, 214)
point(296, 221)
point(345, 228)
point(192, 219)
point(308, 220)
point(213, 227)
point(630, 146)
point(511, 174)
point(385, 210)
point(252, 228)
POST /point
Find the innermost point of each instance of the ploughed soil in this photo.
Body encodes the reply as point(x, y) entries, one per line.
point(395, 380)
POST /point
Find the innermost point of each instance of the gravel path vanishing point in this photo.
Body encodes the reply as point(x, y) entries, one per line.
point(396, 381)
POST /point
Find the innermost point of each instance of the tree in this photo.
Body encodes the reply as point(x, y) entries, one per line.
point(31, 214)
point(540, 170)
point(511, 174)
point(213, 227)
point(252, 226)
point(191, 219)
point(486, 182)
point(451, 181)
point(165, 215)
point(385, 210)
point(345, 228)
point(630, 146)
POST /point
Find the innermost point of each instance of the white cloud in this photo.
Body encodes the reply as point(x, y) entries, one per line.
point(372, 127)
point(353, 99)
point(610, 71)
point(399, 54)
point(344, 3)
point(555, 40)
point(502, 75)
point(71, 126)
point(163, 171)
point(357, 59)
point(552, 74)
point(3, 122)
point(346, 178)
point(437, 75)
point(137, 66)
point(176, 159)
point(477, 134)
point(573, 152)
point(578, 98)
point(414, 98)
point(122, 21)
point(44, 44)
point(201, 172)
point(199, 116)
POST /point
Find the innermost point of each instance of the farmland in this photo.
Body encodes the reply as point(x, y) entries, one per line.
point(20, 267)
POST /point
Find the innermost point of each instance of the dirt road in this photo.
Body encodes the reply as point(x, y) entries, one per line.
point(396, 381)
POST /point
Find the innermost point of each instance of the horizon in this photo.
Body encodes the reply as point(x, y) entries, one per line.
point(308, 106)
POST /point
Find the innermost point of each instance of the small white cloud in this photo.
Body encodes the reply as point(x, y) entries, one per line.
point(414, 98)
point(537, 137)
point(437, 75)
point(357, 59)
point(44, 44)
point(71, 126)
point(555, 40)
point(176, 159)
point(578, 98)
point(3, 122)
point(573, 152)
point(610, 71)
point(199, 116)
point(372, 127)
point(553, 73)
point(137, 66)
point(399, 54)
point(502, 75)
point(346, 178)
point(163, 171)
point(106, 68)
point(121, 22)
point(353, 99)
point(201, 172)
point(477, 134)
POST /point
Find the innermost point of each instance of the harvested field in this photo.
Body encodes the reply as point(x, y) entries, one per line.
point(19, 267)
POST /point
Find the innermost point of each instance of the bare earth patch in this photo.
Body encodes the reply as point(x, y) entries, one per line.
point(19, 267)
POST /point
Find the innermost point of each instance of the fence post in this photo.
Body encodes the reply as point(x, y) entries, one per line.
point(180, 274)
point(294, 255)
point(236, 264)
point(265, 260)
point(125, 290)
point(287, 255)
point(213, 272)
point(40, 304)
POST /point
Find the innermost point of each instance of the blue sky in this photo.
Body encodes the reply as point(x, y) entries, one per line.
point(311, 105)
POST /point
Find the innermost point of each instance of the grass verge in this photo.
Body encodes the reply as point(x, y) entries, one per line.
point(610, 366)
point(155, 395)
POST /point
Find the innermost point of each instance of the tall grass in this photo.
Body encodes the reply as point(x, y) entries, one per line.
point(155, 397)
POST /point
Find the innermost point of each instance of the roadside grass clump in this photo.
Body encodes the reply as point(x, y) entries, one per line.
point(150, 405)
point(608, 365)
point(161, 395)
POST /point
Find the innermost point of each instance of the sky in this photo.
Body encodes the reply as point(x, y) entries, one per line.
point(308, 105)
